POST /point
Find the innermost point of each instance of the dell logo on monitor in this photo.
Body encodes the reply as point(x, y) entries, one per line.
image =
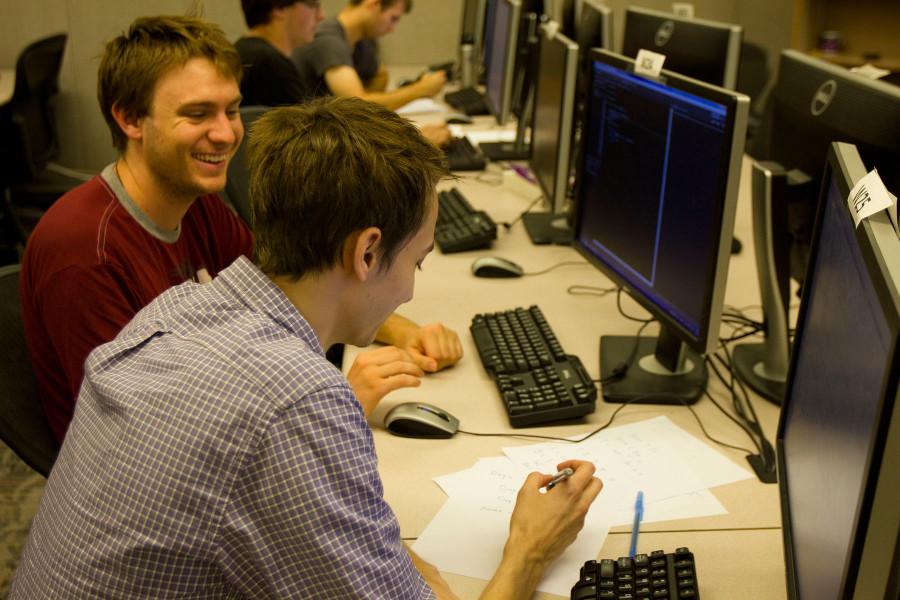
point(664, 33)
point(822, 98)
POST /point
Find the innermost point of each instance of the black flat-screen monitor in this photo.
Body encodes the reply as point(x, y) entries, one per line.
point(655, 208)
point(500, 68)
point(551, 134)
point(812, 104)
point(839, 435)
point(705, 50)
point(594, 28)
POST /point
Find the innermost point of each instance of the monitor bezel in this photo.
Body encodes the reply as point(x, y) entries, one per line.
point(872, 235)
point(738, 106)
point(502, 113)
point(733, 49)
point(606, 21)
point(557, 195)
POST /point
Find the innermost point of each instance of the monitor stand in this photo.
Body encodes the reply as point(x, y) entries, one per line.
point(497, 151)
point(518, 149)
point(764, 366)
point(662, 370)
point(548, 228)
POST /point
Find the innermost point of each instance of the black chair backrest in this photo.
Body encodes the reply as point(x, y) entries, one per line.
point(23, 425)
point(37, 83)
point(237, 185)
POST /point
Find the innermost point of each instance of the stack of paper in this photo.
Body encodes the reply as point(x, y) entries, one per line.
point(673, 469)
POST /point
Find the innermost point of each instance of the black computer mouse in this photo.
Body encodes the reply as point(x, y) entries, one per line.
point(420, 420)
point(495, 267)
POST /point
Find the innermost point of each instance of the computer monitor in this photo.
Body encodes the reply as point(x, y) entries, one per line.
point(655, 211)
point(705, 50)
point(812, 104)
point(594, 26)
point(551, 135)
point(562, 12)
point(839, 434)
point(500, 69)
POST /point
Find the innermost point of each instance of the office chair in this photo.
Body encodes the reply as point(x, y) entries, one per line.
point(29, 142)
point(23, 425)
point(237, 185)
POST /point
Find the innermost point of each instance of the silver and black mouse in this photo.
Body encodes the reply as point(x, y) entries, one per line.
point(420, 420)
point(494, 266)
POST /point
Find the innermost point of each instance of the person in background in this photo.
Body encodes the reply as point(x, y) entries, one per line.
point(343, 60)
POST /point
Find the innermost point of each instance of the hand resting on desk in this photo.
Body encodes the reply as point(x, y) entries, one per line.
point(414, 351)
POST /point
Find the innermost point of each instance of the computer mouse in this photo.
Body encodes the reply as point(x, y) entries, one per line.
point(420, 420)
point(494, 266)
point(458, 119)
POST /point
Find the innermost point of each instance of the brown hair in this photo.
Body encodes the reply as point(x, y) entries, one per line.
point(387, 4)
point(259, 12)
point(322, 171)
point(133, 63)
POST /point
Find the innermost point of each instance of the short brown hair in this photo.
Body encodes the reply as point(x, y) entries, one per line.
point(133, 63)
point(259, 12)
point(387, 4)
point(324, 170)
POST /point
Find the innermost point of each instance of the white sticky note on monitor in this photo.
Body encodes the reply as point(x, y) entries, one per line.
point(868, 196)
point(649, 63)
point(683, 9)
point(871, 71)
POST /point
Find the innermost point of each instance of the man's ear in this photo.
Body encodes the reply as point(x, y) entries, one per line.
point(362, 253)
point(130, 125)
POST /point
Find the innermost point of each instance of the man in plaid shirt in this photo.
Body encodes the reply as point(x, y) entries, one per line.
point(216, 453)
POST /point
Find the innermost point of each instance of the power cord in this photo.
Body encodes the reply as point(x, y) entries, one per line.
point(509, 225)
point(567, 263)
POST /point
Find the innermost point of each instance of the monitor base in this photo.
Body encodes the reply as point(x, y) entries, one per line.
point(548, 228)
point(748, 358)
point(497, 151)
point(647, 381)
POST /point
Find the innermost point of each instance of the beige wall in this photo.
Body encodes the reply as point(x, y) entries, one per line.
point(429, 34)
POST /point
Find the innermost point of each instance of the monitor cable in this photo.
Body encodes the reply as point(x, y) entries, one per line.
point(510, 224)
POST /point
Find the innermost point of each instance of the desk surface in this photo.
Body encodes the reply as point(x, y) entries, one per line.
point(739, 555)
point(7, 84)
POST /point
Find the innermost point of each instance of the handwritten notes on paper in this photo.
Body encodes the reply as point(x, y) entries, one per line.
point(673, 468)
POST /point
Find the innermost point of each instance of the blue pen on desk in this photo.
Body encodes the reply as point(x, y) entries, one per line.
point(636, 526)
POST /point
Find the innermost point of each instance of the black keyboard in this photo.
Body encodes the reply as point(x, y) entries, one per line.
point(538, 381)
point(468, 101)
point(459, 226)
point(462, 155)
point(657, 576)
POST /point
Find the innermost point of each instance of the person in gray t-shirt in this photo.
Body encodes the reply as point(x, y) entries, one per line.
point(342, 60)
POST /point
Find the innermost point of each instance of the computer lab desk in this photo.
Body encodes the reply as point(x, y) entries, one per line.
point(739, 555)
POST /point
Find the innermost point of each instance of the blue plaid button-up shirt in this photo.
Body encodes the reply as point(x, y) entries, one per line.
point(216, 453)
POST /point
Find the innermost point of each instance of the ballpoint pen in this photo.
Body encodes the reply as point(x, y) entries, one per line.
point(636, 526)
point(560, 477)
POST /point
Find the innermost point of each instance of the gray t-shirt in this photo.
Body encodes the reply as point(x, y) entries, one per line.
point(330, 49)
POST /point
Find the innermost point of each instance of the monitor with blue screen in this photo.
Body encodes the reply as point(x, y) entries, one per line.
point(655, 207)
